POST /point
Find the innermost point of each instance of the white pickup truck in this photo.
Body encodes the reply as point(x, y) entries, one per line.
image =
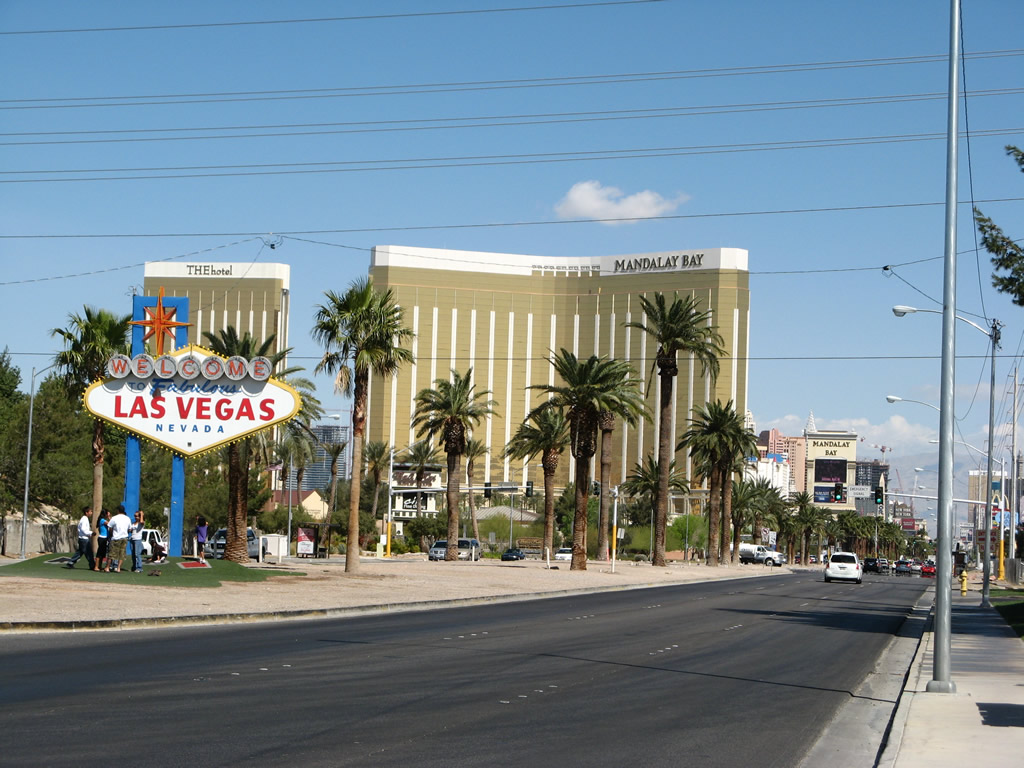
point(758, 553)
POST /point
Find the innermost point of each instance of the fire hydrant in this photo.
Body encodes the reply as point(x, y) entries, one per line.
point(963, 582)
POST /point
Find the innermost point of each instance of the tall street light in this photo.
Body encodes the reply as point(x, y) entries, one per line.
point(941, 681)
point(28, 456)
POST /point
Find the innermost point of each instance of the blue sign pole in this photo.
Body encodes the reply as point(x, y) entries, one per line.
point(133, 449)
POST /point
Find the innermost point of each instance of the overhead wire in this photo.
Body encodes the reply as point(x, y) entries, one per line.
point(326, 19)
point(494, 225)
point(471, 121)
point(463, 161)
point(79, 102)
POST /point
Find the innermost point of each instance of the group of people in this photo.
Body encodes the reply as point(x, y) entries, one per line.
point(117, 536)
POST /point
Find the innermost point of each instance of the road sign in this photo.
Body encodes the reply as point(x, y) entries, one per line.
point(859, 491)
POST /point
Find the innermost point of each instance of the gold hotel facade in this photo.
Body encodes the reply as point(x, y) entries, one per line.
point(503, 314)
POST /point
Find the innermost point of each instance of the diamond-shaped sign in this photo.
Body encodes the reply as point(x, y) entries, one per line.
point(190, 411)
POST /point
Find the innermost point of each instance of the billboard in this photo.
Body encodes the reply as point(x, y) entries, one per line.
point(830, 471)
point(192, 400)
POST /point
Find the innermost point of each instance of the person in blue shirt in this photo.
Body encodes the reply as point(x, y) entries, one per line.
point(104, 539)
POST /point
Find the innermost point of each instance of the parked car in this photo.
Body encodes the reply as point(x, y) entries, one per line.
point(928, 569)
point(215, 545)
point(513, 554)
point(902, 568)
point(844, 566)
point(469, 549)
point(565, 553)
point(436, 552)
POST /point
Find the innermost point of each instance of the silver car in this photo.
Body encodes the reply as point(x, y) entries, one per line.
point(215, 546)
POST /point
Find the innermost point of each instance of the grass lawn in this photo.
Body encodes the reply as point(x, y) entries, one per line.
point(1010, 604)
point(171, 574)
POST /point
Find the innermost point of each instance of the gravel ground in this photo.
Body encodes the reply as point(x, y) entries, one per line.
point(326, 585)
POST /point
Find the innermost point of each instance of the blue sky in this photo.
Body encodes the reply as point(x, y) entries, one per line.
point(700, 113)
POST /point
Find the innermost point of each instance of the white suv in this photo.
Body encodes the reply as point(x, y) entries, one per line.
point(844, 566)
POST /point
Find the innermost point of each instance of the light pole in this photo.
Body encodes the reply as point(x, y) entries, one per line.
point(28, 456)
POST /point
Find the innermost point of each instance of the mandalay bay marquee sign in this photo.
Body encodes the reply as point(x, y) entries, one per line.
point(191, 400)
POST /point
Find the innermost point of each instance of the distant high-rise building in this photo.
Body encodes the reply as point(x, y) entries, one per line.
point(318, 474)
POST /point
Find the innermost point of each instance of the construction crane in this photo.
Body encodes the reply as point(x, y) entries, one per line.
point(882, 448)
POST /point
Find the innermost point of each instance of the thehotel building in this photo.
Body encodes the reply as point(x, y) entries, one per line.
point(502, 315)
point(251, 297)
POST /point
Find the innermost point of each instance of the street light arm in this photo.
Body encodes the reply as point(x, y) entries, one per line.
point(900, 310)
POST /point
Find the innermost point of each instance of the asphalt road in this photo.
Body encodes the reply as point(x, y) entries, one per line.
point(732, 673)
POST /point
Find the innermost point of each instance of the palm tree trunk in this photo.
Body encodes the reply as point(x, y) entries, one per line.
point(98, 451)
point(607, 425)
point(235, 545)
point(664, 460)
point(376, 498)
point(715, 516)
point(549, 509)
point(469, 500)
point(452, 553)
point(358, 430)
point(579, 522)
point(727, 515)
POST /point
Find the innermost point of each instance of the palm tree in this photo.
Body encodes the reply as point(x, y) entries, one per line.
point(747, 502)
point(227, 343)
point(606, 423)
point(741, 444)
point(360, 331)
point(589, 387)
point(799, 503)
point(545, 433)
point(333, 451)
point(89, 341)
point(712, 443)
point(449, 411)
point(475, 450)
point(421, 456)
point(645, 481)
point(679, 326)
point(377, 457)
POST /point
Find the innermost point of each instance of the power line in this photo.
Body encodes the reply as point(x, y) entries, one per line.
point(469, 161)
point(495, 225)
point(466, 122)
point(480, 85)
point(326, 19)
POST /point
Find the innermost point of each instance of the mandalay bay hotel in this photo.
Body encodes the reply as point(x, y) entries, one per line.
point(503, 314)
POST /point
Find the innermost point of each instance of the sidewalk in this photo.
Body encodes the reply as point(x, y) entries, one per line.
point(984, 719)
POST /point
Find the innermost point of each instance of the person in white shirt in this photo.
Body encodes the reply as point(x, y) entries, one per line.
point(119, 526)
point(84, 540)
point(136, 540)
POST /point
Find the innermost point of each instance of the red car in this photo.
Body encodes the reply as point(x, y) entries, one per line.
point(928, 569)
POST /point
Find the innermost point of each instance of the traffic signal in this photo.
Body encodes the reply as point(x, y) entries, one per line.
point(837, 492)
point(596, 488)
point(879, 495)
point(529, 487)
point(487, 490)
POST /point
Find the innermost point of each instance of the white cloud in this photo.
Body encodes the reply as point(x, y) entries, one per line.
point(590, 200)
